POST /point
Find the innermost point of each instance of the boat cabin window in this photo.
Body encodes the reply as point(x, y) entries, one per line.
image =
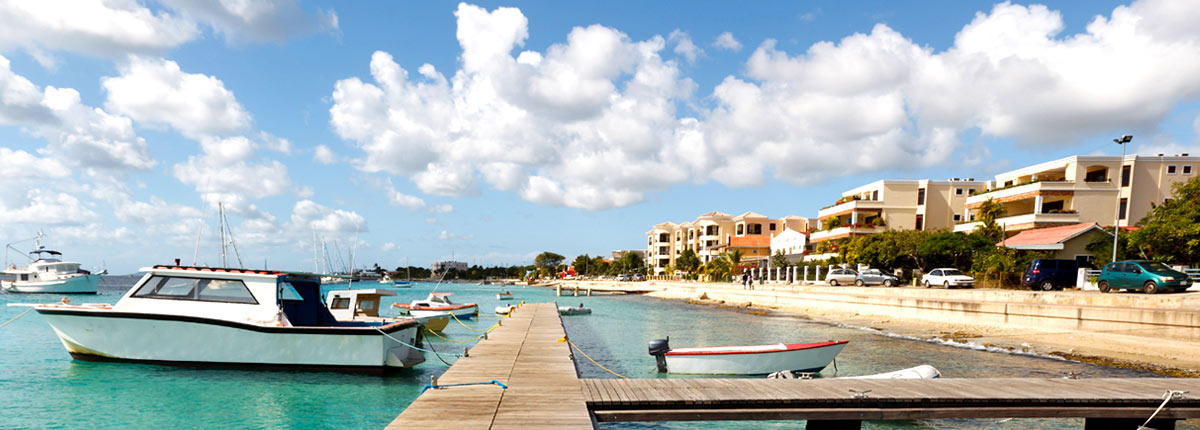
point(340, 303)
point(287, 291)
point(368, 307)
point(199, 289)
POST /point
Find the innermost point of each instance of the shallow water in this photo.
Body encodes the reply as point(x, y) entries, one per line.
point(41, 386)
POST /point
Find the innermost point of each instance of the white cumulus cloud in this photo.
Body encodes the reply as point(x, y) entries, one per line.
point(322, 154)
point(727, 42)
point(156, 91)
point(307, 214)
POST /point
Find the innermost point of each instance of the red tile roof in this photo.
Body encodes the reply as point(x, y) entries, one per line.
point(1046, 236)
point(750, 242)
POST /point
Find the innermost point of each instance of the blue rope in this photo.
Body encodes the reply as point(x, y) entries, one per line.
point(428, 386)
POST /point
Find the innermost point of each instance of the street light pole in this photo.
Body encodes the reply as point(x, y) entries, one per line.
point(1117, 224)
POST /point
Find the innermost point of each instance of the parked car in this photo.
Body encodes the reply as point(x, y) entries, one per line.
point(840, 277)
point(624, 277)
point(1150, 276)
point(875, 277)
point(639, 277)
point(947, 278)
point(1048, 273)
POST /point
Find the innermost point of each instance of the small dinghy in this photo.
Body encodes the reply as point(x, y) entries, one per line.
point(923, 371)
point(438, 304)
point(504, 296)
point(574, 310)
point(745, 360)
point(505, 310)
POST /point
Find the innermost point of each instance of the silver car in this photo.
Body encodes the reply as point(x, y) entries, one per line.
point(841, 277)
point(875, 277)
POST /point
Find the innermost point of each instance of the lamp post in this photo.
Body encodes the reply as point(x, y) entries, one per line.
point(1117, 224)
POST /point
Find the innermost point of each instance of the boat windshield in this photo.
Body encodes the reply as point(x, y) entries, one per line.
point(198, 289)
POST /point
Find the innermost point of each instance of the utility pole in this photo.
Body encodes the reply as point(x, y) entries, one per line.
point(1117, 225)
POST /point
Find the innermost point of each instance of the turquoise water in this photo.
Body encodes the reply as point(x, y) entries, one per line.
point(42, 387)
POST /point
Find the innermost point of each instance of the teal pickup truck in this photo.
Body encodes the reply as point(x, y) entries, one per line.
point(1148, 276)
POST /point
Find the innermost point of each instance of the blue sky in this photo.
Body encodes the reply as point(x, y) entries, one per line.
point(489, 132)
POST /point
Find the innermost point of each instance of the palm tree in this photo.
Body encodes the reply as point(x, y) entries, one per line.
point(735, 258)
point(989, 211)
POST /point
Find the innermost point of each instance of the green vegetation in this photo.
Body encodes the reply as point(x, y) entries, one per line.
point(1171, 232)
point(687, 261)
point(779, 260)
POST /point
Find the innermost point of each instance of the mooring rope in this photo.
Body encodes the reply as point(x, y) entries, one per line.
point(493, 327)
point(1167, 396)
point(16, 317)
point(456, 341)
point(417, 347)
point(435, 386)
point(568, 341)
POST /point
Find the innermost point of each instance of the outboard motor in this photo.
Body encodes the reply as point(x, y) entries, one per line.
point(659, 348)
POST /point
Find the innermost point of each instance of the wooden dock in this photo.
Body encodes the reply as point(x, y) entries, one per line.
point(588, 289)
point(842, 403)
point(544, 390)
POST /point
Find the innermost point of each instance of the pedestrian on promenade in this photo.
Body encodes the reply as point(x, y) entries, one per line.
point(745, 280)
point(752, 278)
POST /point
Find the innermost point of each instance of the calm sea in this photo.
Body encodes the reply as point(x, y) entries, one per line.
point(42, 387)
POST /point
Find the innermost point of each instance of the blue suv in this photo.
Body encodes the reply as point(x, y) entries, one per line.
point(1049, 274)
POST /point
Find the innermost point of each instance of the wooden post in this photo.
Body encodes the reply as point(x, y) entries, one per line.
point(558, 290)
point(833, 425)
point(589, 292)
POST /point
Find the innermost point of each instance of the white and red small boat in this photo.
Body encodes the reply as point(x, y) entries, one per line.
point(438, 304)
point(745, 360)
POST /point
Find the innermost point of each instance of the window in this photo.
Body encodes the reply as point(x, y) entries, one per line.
point(957, 217)
point(288, 292)
point(340, 303)
point(1187, 169)
point(772, 226)
point(935, 273)
point(920, 196)
point(1125, 176)
point(875, 195)
point(972, 217)
point(920, 222)
point(970, 191)
point(1008, 183)
point(740, 229)
point(224, 290)
point(958, 191)
point(1171, 169)
point(208, 290)
point(1122, 208)
point(1099, 174)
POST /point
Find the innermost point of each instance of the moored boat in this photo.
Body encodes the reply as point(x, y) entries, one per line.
point(46, 273)
point(230, 318)
point(438, 304)
point(505, 310)
point(745, 360)
point(363, 305)
point(504, 295)
point(574, 310)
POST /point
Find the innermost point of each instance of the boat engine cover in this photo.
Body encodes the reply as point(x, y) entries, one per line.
point(659, 347)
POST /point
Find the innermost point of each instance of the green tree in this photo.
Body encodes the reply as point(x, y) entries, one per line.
point(947, 249)
point(581, 264)
point(734, 258)
point(779, 260)
point(547, 262)
point(687, 261)
point(631, 262)
point(989, 211)
point(1171, 232)
point(718, 268)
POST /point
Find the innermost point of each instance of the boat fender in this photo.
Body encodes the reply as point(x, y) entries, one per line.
point(659, 348)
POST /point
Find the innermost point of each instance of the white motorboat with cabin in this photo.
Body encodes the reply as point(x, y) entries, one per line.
point(231, 318)
point(363, 305)
point(745, 360)
point(46, 273)
point(438, 304)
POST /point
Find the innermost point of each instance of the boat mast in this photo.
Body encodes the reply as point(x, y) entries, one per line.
point(221, 224)
point(196, 252)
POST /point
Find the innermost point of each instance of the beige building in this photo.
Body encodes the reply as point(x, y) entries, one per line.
point(1082, 189)
point(896, 205)
point(713, 233)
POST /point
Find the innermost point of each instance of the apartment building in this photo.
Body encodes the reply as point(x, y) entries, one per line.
point(1082, 189)
point(713, 233)
point(896, 205)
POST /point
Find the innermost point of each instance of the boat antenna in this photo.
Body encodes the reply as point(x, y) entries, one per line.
point(38, 240)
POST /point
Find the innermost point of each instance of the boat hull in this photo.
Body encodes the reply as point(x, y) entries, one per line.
point(103, 335)
point(83, 284)
point(462, 313)
point(757, 363)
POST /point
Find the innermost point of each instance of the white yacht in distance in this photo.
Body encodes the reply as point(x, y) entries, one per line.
point(231, 318)
point(47, 273)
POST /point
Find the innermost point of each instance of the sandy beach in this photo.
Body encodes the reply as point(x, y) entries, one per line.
point(1145, 348)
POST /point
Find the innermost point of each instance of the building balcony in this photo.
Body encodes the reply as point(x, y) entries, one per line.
point(844, 231)
point(1041, 188)
point(850, 206)
point(1024, 222)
